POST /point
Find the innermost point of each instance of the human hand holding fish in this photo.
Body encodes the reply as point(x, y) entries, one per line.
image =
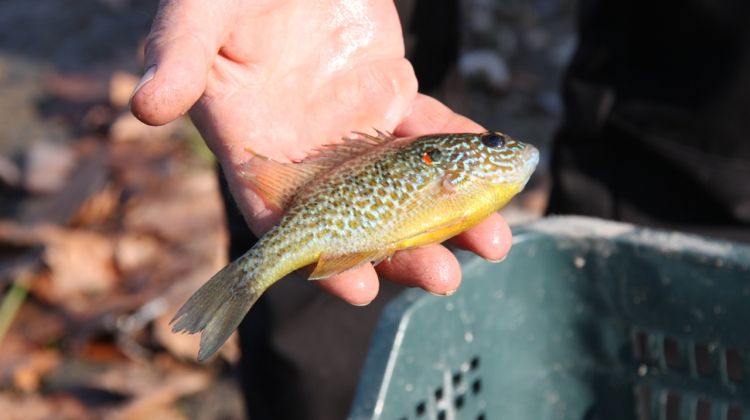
point(283, 79)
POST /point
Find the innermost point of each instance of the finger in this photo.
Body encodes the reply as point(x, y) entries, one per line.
point(428, 115)
point(184, 40)
point(358, 286)
point(433, 268)
point(491, 239)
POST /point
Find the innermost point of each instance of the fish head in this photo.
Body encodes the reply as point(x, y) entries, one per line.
point(491, 156)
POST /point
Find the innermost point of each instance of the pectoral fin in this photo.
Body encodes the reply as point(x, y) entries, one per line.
point(330, 265)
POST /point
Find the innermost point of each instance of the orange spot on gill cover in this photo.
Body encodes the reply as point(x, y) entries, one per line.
point(426, 158)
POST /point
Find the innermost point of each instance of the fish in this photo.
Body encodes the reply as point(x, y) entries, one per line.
point(357, 202)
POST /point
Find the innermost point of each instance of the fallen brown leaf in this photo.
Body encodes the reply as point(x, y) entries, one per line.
point(78, 87)
point(152, 401)
point(126, 127)
point(99, 207)
point(47, 166)
point(27, 376)
point(135, 251)
point(81, 264)
point(34, 406)
point(121, 85)
point(179, 210)
point(10, 174)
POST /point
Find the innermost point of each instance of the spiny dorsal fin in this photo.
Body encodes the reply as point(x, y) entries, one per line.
point(333, 155)
point(279, 182)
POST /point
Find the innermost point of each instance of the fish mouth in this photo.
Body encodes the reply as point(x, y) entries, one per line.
point(530, 158)
point(529, 161)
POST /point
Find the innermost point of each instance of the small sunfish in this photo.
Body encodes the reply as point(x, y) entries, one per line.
point(358, 202)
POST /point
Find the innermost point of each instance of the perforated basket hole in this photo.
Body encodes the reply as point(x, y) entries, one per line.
point(421, 409)
point(734, 413)
point(476, 386)
point(672, 409)
point(461, 389)
point(439, 394)
point(640, 347)
point(673, 405)
point(474, 363)
point(671, 353)
point(643, 402)
point(733, 365)
point(703, 360)
point(702, 410)
point(457, 377)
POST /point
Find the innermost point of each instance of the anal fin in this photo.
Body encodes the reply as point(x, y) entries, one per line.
point(330, 265)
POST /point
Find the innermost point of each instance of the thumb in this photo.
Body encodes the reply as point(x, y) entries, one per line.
point(184, 40)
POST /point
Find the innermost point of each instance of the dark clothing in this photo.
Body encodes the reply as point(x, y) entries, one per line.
point(657, 124)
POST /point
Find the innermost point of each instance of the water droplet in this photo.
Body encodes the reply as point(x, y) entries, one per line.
point(579, 262)
point(642, 370)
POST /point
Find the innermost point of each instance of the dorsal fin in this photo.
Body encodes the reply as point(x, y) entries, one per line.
point(279, 182)
point(332, 155)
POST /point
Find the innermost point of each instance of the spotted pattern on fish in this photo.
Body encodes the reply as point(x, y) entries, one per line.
point(362, 201)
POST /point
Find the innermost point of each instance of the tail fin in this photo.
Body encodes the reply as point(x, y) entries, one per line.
point(217, 308)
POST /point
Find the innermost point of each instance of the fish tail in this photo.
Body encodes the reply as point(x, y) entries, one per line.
point(218, 307)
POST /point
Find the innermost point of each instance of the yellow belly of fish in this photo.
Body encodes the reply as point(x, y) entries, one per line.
point(442, 217)
point(457, 217)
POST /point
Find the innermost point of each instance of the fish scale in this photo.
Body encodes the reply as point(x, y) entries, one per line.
point(358, 202)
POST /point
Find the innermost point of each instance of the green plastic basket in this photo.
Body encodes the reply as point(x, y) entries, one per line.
point(585, 319)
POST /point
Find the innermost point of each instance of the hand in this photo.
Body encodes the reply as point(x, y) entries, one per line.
point(283, 77)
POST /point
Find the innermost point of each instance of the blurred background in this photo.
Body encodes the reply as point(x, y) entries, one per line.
point(107, 225)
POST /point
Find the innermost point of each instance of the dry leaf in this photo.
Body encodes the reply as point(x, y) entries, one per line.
point(27, 376)
point(47, 167)
point(99, 207)
point(81, 265)
point(126, 127)
point(190, 205)
point(121, 85)
point(78, 87)
point(37, 324)
point(134, 251)
point(34, 406)
point(9, 172)
point(152, 401)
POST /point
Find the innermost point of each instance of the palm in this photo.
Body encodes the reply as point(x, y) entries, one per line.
point(328, 75)
point(283, 77)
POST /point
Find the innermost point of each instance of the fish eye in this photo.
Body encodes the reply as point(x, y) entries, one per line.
point(493, 139)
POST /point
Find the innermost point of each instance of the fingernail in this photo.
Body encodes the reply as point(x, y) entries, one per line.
point(361, 304)
point(497, 260)
point(147, 76)
point(446, 294)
